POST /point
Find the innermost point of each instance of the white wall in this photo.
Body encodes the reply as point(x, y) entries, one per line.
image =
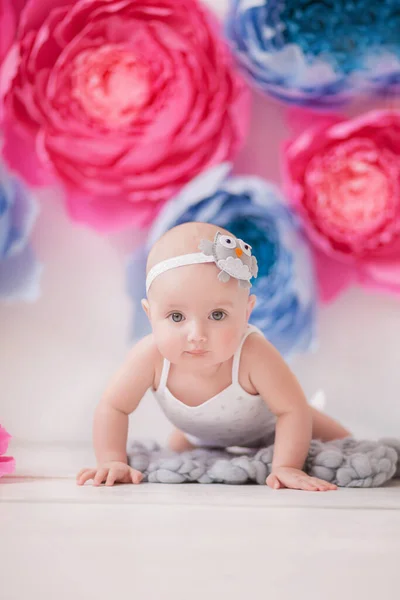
point(57, 355)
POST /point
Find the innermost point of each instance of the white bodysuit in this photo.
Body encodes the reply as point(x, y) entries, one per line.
point(231, 418)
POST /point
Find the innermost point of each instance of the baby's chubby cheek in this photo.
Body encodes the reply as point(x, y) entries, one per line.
point(226, 341)
point(170, 346)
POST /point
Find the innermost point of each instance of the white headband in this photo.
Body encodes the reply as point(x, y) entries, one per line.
point(176, 261)
point(225, 252)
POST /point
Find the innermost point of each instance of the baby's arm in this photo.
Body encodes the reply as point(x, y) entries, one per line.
point(110, 425)
point(280, 389)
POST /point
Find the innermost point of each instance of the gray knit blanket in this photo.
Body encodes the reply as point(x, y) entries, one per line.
point(347, 463)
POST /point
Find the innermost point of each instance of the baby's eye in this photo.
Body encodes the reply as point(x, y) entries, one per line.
point(218, 315)
point(176, 317)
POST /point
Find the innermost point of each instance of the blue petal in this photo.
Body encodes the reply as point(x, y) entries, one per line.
point(136, 288)
point(20, 277)
point(317, 53)
point(19, 271)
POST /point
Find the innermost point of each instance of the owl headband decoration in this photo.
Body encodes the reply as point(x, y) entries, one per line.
point(231, 255)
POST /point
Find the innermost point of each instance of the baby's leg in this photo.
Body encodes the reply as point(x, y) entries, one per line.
point(325, 428)
point(178, 442)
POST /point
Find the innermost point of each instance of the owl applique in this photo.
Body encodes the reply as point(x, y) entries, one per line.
point(233, 256)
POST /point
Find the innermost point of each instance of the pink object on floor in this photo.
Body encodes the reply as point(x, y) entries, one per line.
point(7, 463)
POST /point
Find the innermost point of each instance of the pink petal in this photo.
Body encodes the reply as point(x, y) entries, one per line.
point(17, 145)
point(299, 119)
point(7, 26)
point(5, 437)
point(110, 214)
point(382, 275)
point(7, 465)
point(333, 277)
point(36, 12)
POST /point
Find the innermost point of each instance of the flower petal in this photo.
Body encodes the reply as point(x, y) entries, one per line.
point(5, 438)
point(122, 102)
point(7, 465)
point(20, 277)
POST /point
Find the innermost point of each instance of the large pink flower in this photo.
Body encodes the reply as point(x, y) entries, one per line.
point(124, 101)
point(7, 463)
point(9, 14)
point(343, 179)
point(7, 27)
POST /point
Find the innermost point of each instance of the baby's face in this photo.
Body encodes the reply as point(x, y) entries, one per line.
point(198, 321)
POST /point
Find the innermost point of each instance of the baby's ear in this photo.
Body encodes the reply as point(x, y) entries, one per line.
point(250, 304)
point(146, 307)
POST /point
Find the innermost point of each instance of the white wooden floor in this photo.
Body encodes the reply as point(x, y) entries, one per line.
point(59, 541)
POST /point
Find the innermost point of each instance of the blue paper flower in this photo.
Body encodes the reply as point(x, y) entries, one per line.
point(19, 270)
point(251, 209)
point(317, 53)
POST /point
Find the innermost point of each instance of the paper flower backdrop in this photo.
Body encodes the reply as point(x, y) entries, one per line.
point(7, 463)
point(7, 27)
point(19, 269)
point(317, 53)
point(253, 210)
point(343, 180)
point(123, 101)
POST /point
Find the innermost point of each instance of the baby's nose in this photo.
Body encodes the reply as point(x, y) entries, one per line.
point(239, 252)
point(197, 334)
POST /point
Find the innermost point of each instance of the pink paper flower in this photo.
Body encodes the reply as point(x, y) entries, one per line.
point(123, 101)
point(7, 463)
point(343, 179)
point(7, 27)
point(9, 13)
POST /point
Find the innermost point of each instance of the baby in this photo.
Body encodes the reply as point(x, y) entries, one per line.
point(217, 379)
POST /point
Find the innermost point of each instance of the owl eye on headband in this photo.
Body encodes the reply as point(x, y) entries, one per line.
point(231, 255)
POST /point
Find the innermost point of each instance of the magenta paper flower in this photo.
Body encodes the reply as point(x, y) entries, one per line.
point(7, 463)
point(7, 26)
point(9, 14)
point(343, 179)
point(123, 101)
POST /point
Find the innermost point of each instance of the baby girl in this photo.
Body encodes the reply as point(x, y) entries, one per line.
point(217, 378)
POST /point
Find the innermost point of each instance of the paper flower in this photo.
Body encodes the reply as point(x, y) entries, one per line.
point(342, 177)
point(317, 53)
point(122, 101)
point(19, 270)
point(7, 26)
point(251, 209)
point(7, 463)
point(9, 13)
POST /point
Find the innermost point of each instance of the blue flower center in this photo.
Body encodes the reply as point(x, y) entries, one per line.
point(341, 32)
point(264, 242)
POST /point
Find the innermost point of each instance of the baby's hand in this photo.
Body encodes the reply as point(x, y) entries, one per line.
point(110, 472)
point(297, 480)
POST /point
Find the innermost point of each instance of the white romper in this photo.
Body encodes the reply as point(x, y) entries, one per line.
point(231, 418)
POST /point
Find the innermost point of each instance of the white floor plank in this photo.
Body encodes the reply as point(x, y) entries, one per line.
point(23, 489)
point(190, 542)
point(80, 551)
